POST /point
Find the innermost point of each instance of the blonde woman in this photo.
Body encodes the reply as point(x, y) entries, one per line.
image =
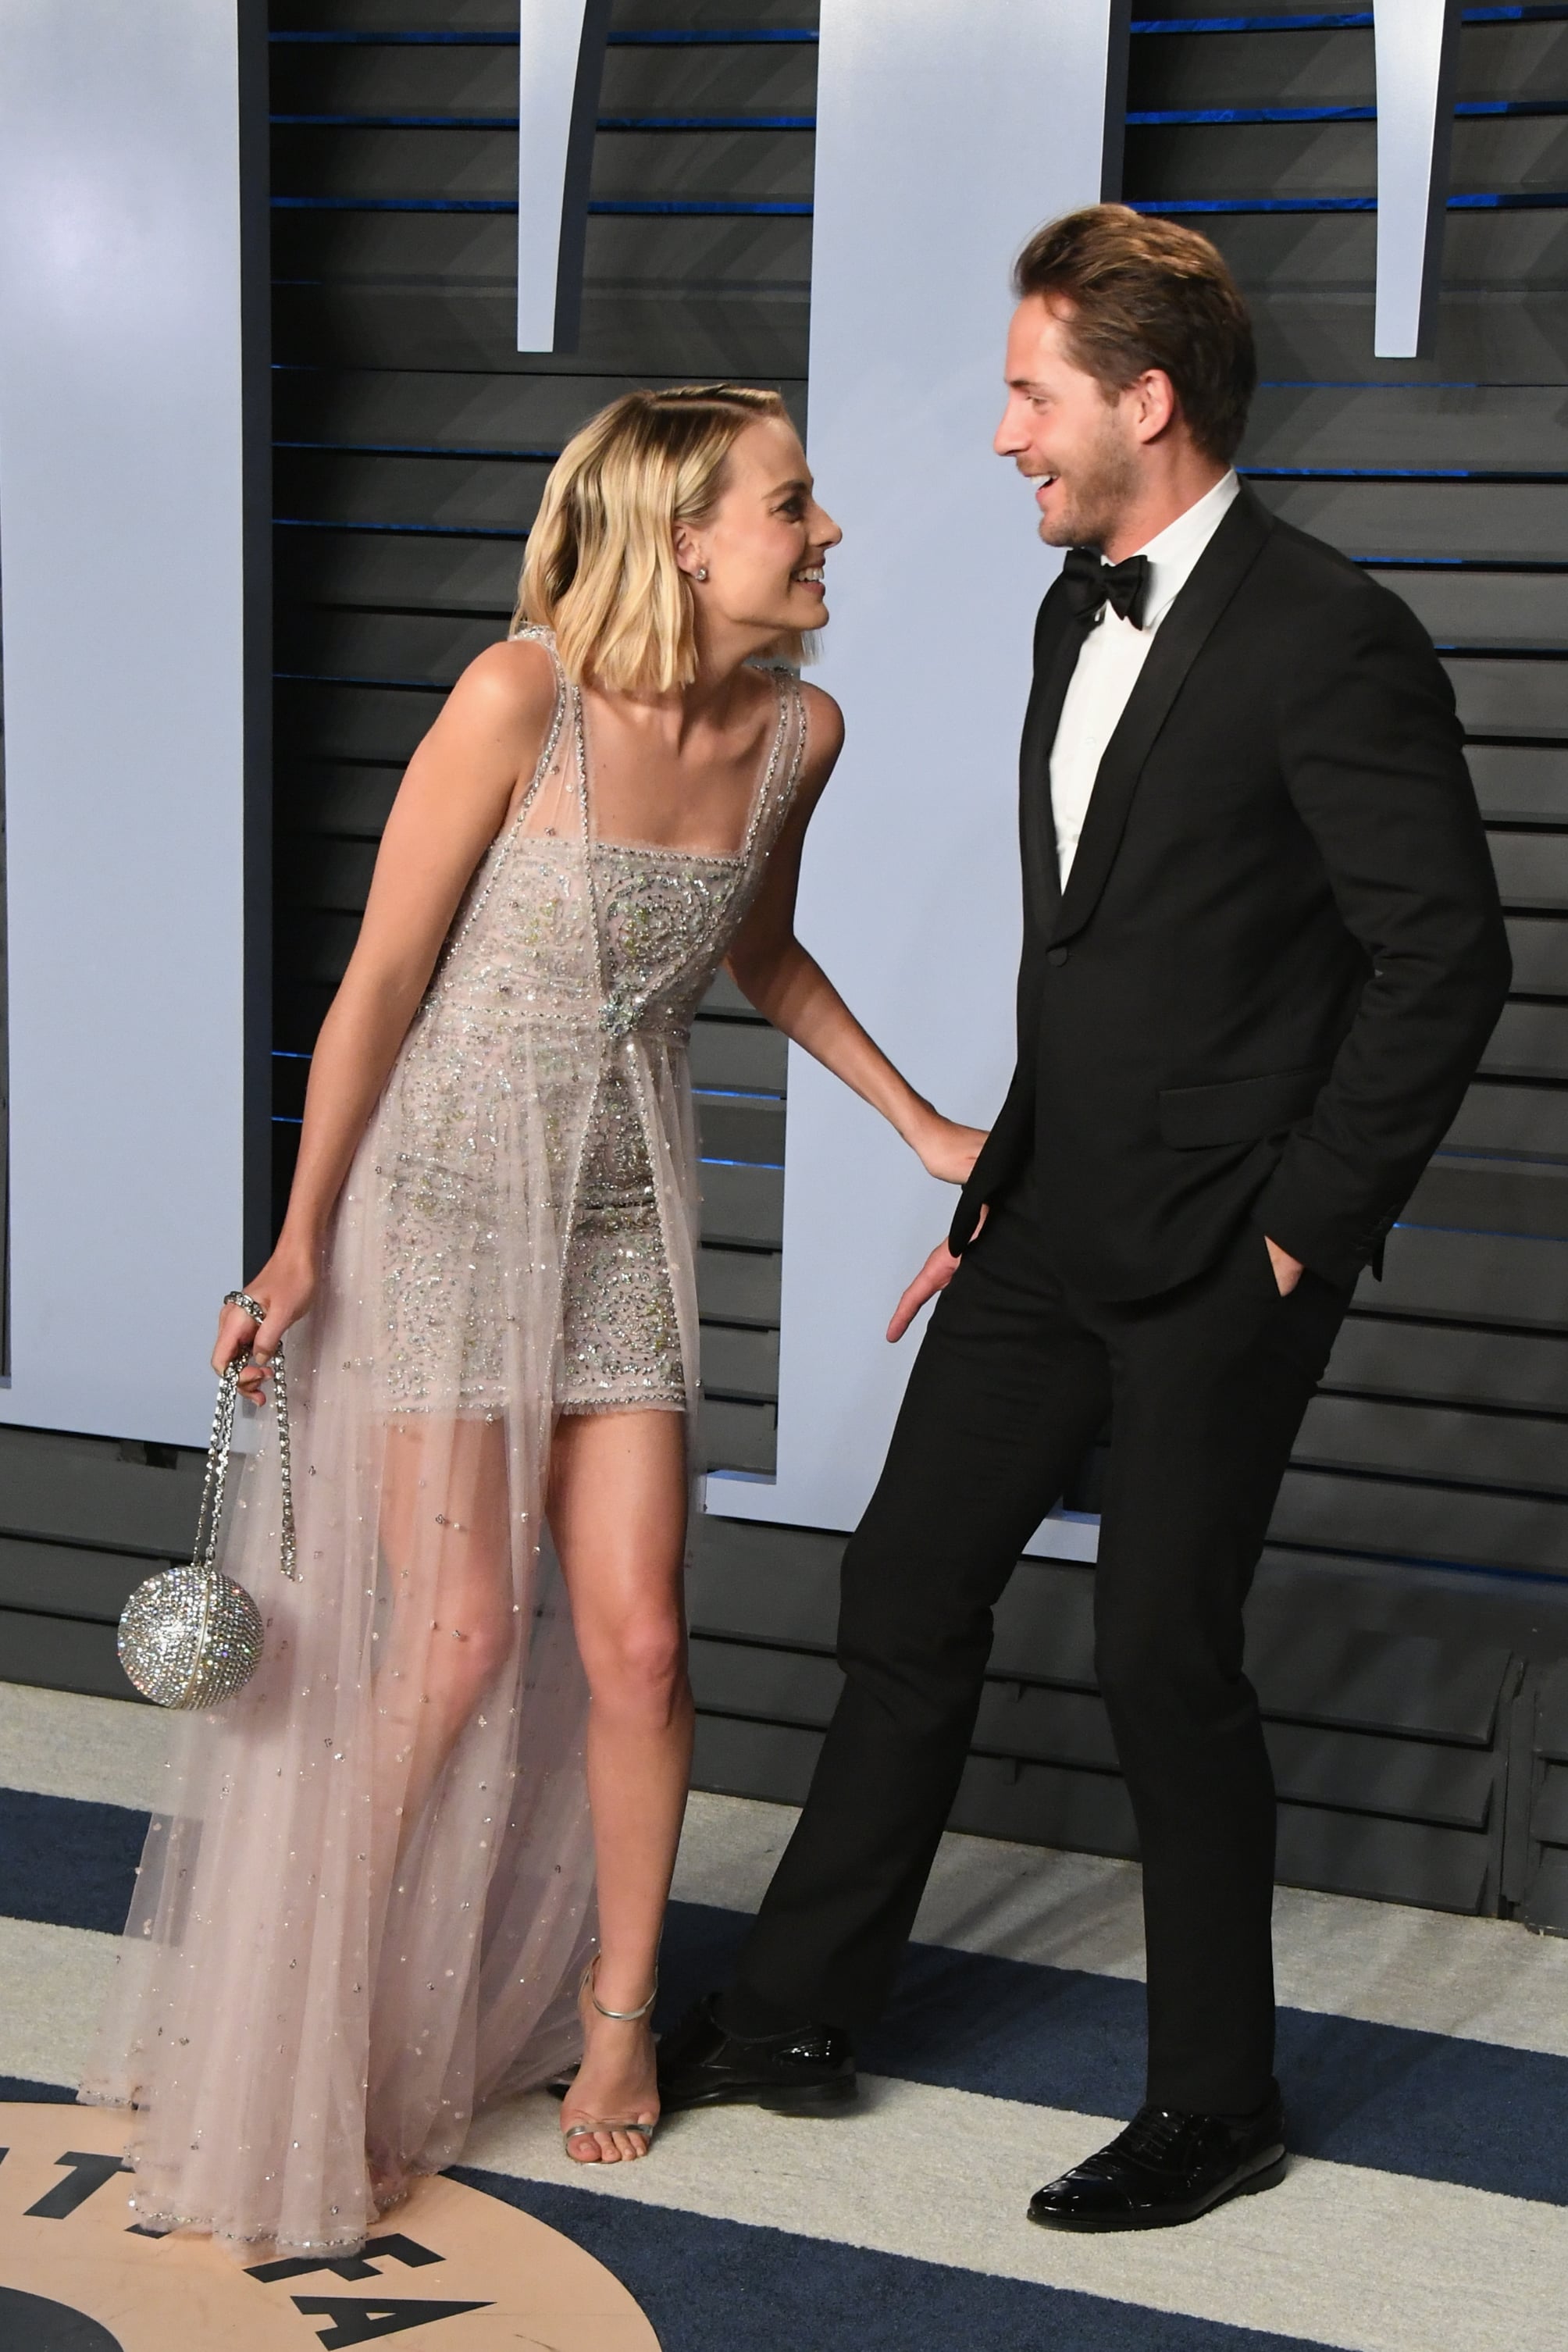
point(422, 1861)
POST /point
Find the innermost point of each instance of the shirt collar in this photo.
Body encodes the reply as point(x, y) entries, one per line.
point(1174, 551)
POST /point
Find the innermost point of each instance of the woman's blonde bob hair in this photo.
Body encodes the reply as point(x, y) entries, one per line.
point(601, 569)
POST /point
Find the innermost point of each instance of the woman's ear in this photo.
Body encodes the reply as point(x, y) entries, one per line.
point(688, 553)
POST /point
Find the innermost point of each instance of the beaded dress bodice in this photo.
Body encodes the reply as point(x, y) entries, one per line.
point(571, 975)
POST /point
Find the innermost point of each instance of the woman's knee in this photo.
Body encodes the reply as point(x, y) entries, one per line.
point(637, 1668)
point(466, 1653)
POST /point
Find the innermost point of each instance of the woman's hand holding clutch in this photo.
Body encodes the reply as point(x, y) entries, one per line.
point(285, 1287)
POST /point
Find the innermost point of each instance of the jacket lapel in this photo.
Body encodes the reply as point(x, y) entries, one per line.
point(1057, 640)
point(1178, 641)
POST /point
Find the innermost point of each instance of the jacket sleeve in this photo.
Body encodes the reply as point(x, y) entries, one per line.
point(1372, 756)
point(1001, 1155)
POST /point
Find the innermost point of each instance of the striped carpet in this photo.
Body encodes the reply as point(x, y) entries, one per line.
point(1425, 2059)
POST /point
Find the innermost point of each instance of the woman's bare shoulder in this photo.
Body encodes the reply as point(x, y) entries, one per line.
point(512, 683)
point(823, 728)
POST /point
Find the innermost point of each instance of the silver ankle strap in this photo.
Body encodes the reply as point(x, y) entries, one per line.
point(622, 2016)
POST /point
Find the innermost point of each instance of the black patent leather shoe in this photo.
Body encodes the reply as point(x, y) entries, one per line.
point(1167, 2167)
point(809, 2072)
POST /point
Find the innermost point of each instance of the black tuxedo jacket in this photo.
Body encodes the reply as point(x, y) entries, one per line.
point(1279, 954)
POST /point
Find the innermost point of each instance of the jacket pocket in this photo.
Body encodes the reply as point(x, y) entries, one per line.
point(1241, 1110)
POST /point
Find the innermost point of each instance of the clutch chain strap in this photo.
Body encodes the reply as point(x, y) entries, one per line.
point(211, 1512)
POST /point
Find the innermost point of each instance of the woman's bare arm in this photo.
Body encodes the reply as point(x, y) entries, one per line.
point(450, 805)
point(778, 975)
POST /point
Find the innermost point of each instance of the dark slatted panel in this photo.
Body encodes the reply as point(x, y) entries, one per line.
point(412, 442)
point(1541, 1758)
point(1390, 1745)
point(82, 1522)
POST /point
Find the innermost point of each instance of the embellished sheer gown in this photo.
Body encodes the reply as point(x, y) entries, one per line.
point(365, 1904)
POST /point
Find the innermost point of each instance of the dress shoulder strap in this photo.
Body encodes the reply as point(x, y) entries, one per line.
point(495, 857)
point(535, 634)
point(782, 775)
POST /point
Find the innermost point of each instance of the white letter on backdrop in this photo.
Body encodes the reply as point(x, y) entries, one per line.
point(1416, 44)
point(561, 61)
point(945, 135)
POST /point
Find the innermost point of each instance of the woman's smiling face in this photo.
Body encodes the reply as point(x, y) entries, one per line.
point(763, 544)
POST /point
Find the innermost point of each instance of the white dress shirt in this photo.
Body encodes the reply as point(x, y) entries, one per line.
point(1108, 666)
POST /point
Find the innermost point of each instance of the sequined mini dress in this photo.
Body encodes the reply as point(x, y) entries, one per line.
point(590, 956)
point(337, 1950)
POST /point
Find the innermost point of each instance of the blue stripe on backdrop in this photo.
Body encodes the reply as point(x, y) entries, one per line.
point(1355, 20)
point(611, 121)
point(710, 2285)
point(723, 208)
point(522, 452)
point(1142, 119)
point(37, 2094)
point(1430, 2105)
point(1466, 109)
point(749, 36)
point(396, 530)
point(1528, 200)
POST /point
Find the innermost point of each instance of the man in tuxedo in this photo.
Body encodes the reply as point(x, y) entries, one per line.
point(1262, 955)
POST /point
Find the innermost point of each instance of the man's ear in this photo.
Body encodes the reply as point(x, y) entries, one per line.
point(1155, 407)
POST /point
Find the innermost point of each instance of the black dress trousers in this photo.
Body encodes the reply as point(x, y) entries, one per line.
point(1206, 1387)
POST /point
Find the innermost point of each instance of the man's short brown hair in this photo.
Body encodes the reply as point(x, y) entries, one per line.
point(1147, 293)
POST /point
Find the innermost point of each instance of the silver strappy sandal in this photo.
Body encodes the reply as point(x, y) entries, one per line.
point(569, 2132)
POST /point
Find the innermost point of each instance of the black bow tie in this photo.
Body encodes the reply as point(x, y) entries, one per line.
point(1092, 583)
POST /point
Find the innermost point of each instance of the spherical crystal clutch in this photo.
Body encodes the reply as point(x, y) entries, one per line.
point(190, 1637)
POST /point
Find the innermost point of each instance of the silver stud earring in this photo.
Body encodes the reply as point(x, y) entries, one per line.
point(701, 573)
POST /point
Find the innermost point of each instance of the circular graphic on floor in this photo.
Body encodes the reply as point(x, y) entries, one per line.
point(28, 2323)
point(451, 2271)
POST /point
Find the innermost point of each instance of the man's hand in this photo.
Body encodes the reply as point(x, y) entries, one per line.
point(1288, 1270)
point(935, 1275)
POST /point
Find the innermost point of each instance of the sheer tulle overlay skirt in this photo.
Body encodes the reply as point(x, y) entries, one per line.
point(366, 1903)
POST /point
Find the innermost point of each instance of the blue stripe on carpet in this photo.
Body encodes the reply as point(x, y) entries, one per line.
point(708, 2287)
point(1428, 2104)
point(66, 1861)
point(1431, 2105)
point(35, 2095)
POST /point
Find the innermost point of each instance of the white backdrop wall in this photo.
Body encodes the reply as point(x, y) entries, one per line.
point(944, 136)
point(121, 542)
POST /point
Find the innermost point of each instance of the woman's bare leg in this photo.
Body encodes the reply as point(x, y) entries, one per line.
point(617, 1511)
point(452, 1626)
point(449, 1630)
